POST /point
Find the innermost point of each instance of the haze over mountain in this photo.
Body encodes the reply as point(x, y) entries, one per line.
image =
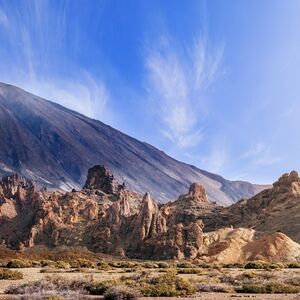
point(55, 146)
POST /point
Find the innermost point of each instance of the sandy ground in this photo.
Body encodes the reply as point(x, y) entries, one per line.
point(34, 274)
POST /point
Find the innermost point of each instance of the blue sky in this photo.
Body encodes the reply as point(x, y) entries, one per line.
point(212, 83)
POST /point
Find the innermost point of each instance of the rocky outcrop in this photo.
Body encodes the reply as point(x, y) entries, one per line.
point(273, 210)
point(228, 245)
point(100, 178)
point(108, 218)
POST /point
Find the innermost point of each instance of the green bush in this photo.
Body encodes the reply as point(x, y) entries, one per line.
point(9, 274)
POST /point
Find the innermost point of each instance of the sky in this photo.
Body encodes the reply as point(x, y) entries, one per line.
point(212, 83)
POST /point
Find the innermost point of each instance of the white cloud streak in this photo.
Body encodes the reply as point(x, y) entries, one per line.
point(32, 36)
point(260, 155)
point(85, 95)
point(176, 84)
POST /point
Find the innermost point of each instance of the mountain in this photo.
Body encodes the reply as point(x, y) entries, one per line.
point(276, 209)
point(106, 217)
point(55, 146)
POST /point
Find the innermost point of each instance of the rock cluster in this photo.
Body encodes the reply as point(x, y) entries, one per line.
point(106, 217)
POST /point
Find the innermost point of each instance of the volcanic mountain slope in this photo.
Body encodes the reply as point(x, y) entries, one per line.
point(274, 209)
point(107, 218)
point(55, 146)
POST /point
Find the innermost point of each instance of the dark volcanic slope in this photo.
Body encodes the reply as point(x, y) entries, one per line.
point(55, 146)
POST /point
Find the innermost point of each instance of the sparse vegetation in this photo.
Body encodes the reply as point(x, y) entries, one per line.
point(120, 293)
point(17, 263)
point(167, 285)
point(148, 279)
point(190, 271)
point(269, 288)
point(6, 274)
point(213, 288)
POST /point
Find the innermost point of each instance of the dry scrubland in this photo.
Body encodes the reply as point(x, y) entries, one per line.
point(126, 280)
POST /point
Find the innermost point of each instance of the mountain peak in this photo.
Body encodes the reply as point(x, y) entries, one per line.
point(55, 146)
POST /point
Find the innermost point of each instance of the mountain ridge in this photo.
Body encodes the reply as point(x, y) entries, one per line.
point(55, 146)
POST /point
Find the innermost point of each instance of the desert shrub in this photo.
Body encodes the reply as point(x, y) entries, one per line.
point(234, 266)
point(3, 263)
point(246, 276)
point(212, 288)
point(9, 274)
point(294, 265)
point(149, 265)
point(49, 286)
point(47, 263)
point(256, 265)
point(204, 265)
point(123, 264)
point(275, 266)
point(81, 263)
point(103, 266)
point(228, 279)
point(54, 297)
point(167, 285)
point(293, 281)
point(35, 264)
point(269, 288)
point(98, 288)
point(163, 265)
point(17, 263)
point(120, 293)
point(62, 264)
point(185, 265)
point(190, 271)
point(50, 270)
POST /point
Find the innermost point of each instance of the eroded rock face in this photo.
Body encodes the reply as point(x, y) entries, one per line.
point(272, 210)
point(100, 178)
point(108, 218)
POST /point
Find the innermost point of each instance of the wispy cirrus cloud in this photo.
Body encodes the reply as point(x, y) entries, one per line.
point(177, 79)
point(34, 35)
point(260, 155)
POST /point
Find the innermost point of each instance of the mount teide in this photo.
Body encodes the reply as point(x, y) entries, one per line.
point(55, 146)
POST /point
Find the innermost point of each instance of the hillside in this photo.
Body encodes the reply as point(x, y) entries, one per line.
point(55, 146)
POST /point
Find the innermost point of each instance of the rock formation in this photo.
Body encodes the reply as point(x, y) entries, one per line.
point(106, 217)
point(273, 210)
